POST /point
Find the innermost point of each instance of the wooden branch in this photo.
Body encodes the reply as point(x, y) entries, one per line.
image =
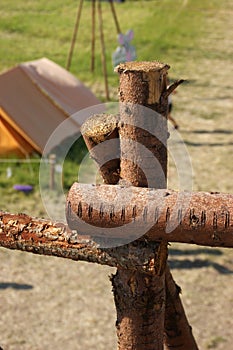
point(141, 86)
point(121, 287)
point(93, 20)
point(201, 218)
point(140, 305)
point(115, 16)
point(172, 87)
point(97, 131)
point(103, 53)
point(74, 35)
point(177, 331)
point(39, 236)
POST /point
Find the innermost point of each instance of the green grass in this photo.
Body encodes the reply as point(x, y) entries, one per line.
point(168, 31)
point(164, 30)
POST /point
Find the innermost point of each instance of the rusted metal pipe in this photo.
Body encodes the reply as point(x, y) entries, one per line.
point(203, 218)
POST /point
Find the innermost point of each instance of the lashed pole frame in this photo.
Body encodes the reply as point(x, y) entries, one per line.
point(139, 297)
point(208, 221)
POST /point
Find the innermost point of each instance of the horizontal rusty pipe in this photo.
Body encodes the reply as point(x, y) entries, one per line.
point(202, 218)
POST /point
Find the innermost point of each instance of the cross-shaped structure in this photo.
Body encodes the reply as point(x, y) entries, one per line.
point(135, 233)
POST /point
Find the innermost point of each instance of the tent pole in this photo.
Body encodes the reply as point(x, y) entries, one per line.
point(74, 35)
point(115, 17)
point(93, 37)
point(103, 55)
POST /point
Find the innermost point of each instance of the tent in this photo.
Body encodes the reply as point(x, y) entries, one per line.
point(35, 97)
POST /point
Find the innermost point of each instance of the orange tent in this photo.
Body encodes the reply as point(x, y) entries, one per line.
point(35, 97)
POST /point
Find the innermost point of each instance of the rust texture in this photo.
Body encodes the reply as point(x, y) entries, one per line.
point(202, 218)
point(22, 232)
point(178, 333)
point(97, 131)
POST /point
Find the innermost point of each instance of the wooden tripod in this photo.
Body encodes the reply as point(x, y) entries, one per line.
point(93, 38)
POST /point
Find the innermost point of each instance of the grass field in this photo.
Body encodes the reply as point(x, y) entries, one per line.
point(164, 30)
point(49, 303)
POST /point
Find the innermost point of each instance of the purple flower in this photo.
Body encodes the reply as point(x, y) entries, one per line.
point(23, 188)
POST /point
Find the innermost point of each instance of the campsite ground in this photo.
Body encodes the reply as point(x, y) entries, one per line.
point(50, 303)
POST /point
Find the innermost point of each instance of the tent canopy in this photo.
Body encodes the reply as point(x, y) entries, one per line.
point(35, 97)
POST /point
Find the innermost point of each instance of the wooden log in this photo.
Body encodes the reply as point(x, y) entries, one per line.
point(143, 123)
point(143, 136)
point(203, 218)
point(145, 293)
point(103, 53)
point(97, 131)
point(178, 333)
point(40, 236)
point(93, 20)
point(76, 27)
point(122, 275)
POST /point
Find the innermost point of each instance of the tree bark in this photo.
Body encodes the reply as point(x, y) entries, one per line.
point(143, 123)
point(101, 136)
point(39, 236)
point(178, 333)
point(202, 218)
point(140, 302)
point(139, 298)
point(144, 84)
point(156, 99)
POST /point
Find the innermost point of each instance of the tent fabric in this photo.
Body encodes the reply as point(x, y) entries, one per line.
point(12, 142)
point(35, 97)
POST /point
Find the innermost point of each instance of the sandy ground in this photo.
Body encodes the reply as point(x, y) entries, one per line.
point(50, 303)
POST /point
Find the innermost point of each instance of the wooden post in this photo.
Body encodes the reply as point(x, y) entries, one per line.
point(140, 84)
point(143, 96)
point(143, 83)
point(178, 333)
point(74, 35)
point(52, 162)
point(93, 36)
point(139, 298)
point(115, 17)
point(103, 54)
point(96, 131)
point(202, 218)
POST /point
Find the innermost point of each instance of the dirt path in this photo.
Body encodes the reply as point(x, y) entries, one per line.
point(49, 303)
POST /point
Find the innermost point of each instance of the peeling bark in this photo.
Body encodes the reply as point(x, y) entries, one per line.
point(140, 303)
point(39, 236)
point(203, 218)
point(97, 131)
point(177, 331)
point(143, 123)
